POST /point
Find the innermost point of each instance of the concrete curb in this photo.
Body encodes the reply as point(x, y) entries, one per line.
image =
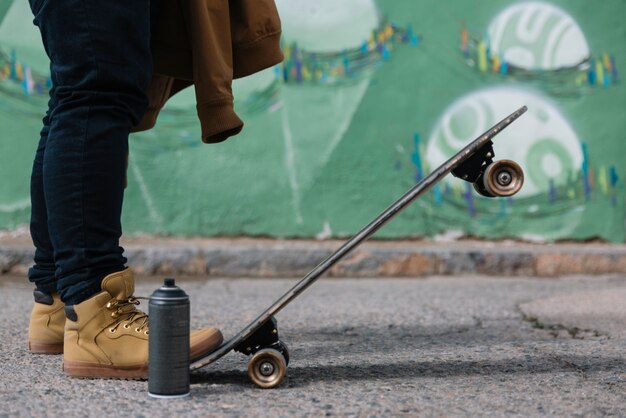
point(286, 258)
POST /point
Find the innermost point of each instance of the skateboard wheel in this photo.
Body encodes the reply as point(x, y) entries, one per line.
point(502, 178)
point(267, 368)
point(480, 188)
point(284, 350)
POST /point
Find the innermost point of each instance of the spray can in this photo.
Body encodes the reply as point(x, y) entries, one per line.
point(168, 342)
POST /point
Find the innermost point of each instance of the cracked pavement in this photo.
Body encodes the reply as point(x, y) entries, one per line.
point(441, 346)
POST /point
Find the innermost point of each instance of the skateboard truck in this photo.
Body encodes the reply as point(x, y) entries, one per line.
point(474, 166)
point(265, 336)
point(502, 178)
point(270, 356)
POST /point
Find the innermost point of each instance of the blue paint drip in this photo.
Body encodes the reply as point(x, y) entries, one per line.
point(411, 36)
point(438, 195)
point(13, 74)
point(613, 179)
point(504, 67)
point(591, 76)
point(25, 86)
point(510, 201)
point(364, 48)
point(613, 176)
point(551, 191)
point(385, 52)
point(416, 158)
point(469, 197)
point(503, 209)
point(298, 70)
point(585, 170)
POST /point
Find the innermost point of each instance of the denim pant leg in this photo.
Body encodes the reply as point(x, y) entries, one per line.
point(42, 273)
point(100, 56)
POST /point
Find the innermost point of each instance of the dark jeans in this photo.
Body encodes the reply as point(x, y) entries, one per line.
point(100, 66)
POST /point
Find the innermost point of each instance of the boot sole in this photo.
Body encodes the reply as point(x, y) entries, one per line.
point(45, 347)
point(101, 371)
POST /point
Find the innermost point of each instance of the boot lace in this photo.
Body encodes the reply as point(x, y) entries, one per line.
point(125, 311)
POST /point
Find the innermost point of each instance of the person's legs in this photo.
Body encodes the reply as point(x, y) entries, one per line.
point(100, 67)
point(47, 319)
point(100, 59)
point(100, 55)
point(42, 274)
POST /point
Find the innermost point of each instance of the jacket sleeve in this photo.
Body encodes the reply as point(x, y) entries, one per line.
point(208, 23)
point(208, 43)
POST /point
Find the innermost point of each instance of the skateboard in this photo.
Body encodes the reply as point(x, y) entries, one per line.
point(474, 164)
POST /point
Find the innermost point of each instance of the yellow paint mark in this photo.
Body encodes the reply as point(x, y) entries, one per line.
point(482, 57)
point(599, 72)
point(602, 180)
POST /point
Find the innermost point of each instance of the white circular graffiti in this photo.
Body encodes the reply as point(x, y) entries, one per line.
point(327, 25)
point(537, 36)
point(541, 141)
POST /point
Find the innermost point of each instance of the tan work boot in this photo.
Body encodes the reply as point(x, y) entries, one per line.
point(47, 321)
point(107, 336)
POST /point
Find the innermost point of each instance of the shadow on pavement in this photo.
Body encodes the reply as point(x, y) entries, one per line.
point(303, 376)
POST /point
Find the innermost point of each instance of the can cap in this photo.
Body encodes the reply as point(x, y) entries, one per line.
point(169, 291)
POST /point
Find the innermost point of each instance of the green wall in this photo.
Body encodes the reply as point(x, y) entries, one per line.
point(325, 150)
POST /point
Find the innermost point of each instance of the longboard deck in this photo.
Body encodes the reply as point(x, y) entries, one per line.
point(416, 191)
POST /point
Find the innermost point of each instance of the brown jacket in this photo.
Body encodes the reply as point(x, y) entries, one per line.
point(208, 43)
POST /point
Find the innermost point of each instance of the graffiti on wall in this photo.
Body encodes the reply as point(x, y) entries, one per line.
point(324, 126)
point(540, 44)
point(332, 50)
point(542, 49)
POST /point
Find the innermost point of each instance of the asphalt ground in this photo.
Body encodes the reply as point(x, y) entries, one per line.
point(440, 346)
